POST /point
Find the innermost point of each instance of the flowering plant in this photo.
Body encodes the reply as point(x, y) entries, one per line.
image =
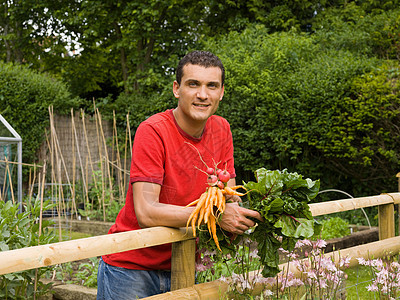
point(314, 277)
point(386, 276)
point(320, 276)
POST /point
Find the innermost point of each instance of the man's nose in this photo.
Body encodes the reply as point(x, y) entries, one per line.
point(202, 92)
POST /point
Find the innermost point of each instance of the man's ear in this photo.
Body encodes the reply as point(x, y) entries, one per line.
point(222, 93)
point(175, 89)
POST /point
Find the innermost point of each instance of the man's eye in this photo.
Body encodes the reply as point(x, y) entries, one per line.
point(192, 84)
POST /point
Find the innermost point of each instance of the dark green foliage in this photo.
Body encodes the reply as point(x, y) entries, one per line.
point(140, 107)
point(352, 29)
point(335, 227)
point(25, 97)
point(295, 104)
point(21, 230)
point(282, 200)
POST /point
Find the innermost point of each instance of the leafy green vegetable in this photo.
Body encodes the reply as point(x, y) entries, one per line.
point(282, 199)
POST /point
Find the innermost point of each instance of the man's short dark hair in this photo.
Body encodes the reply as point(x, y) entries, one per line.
point(201, 58)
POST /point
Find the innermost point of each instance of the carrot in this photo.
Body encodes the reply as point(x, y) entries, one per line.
point(207, 204)
point(235, 187)
point(194, 224)
point(210, 204)
point(201, 215)
point(213, 233)
point(198, 201)
point(194, 202)
point(229, 191)
point(198, 207)
point(220, 200)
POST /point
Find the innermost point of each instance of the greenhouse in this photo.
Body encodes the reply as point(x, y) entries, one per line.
point(10, 162)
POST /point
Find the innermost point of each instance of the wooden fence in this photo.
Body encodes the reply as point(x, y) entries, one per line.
point(183, 247)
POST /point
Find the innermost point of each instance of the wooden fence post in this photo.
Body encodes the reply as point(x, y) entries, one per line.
point(386, 221)
point(398, 205)
point(183, 264)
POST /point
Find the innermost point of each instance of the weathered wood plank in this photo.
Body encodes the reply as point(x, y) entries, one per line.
point(329, 207)
point(183, 264)
point(51, 254)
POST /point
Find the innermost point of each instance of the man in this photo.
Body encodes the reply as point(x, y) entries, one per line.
point(164, 177)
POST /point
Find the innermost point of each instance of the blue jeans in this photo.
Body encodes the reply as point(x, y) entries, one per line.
point(120, 283)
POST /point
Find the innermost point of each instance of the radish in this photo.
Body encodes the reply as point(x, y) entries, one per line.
point(224, 176)
point(212, 180)
point(210, 171)
point(220, 184)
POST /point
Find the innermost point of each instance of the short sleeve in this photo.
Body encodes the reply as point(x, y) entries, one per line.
point(229, 153)
point(148, 156)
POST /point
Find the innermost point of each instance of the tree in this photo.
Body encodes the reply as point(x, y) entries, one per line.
point(25, 97)
point(294, 104)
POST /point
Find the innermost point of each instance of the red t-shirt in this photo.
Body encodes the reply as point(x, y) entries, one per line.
point(161, 155)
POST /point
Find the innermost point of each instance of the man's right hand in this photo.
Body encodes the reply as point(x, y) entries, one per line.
point(235, 218)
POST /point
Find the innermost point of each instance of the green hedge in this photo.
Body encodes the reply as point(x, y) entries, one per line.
point(25, 97)
point(329, 114)
point(293, 102)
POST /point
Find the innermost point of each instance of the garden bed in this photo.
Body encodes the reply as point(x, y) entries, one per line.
point(62, 291)
point(361, 235)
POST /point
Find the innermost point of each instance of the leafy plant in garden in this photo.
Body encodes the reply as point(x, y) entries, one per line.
point(21, 230)
point(333, 228)
point(282, 200)
point(319, 277)
point(100, 191)
point(85, 273)
point(385, 274)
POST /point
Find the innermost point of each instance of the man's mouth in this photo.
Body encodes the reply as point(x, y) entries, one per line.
point(201, 105)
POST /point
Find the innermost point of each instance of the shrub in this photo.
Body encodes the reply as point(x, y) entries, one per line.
point(333, 228)
point(286, 97)
point(25, 97)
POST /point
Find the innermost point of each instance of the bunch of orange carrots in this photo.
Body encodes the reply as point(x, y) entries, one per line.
point(211, 204)
point(209, 208)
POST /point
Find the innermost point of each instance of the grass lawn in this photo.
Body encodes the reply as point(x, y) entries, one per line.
point(70, 235)
point(358, 279)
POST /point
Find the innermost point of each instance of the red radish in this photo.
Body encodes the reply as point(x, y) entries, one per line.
point(220, 184)
point(224, 176)
point(210, 171)
point(218, 171)
point(212, 179)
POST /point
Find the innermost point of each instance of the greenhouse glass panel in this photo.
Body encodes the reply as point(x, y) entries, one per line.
point(10, 162)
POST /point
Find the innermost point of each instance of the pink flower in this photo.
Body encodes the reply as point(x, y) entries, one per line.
point(200, 268)
point(320, 244)
point(372, 288)
point(345, 262)
point(362, 261)
point(311, 274)
point(267, 293)
point(301, 243)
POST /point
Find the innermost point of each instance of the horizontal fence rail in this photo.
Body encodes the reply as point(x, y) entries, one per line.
point(62, 252)
point(216, 289)
point(330, 207)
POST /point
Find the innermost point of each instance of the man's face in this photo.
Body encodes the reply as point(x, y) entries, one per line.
point(199, 92)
